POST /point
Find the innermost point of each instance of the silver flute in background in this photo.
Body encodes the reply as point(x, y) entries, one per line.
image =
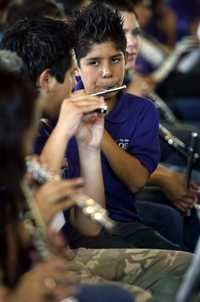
point(38, 231)
point(163, 107)
point(35, 224)
point(176, 143)
point(88, 205)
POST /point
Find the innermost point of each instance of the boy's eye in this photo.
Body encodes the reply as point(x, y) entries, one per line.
point(136, 32)
point(116, 60)
point(93, 63)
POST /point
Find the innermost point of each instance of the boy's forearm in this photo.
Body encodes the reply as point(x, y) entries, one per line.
point(90, 162)
point(158, 176)
point(125, 166)
point(54, 150)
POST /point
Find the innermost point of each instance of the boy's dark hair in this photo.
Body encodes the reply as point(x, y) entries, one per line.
point(17, 116)
point(71, 5)
point(28, 8)
point(98, 23)
point(121, 5)
point(42, 43)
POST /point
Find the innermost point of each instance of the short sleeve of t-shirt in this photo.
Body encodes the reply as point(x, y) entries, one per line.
point(68, 169)
point(145, 145)
point(45, 130)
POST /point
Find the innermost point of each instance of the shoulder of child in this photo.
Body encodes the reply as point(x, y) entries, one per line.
point(141, 103)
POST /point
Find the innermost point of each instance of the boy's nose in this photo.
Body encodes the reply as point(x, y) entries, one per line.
point(106, 72)
point(131, 42)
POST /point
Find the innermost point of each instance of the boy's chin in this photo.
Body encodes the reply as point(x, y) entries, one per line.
point(110, 95)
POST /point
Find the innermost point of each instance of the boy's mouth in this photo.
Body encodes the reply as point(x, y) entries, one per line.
point(107, 87)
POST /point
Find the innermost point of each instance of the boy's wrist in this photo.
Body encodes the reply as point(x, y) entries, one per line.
point(88, 151)
point(64, 134)
point(159, 176)
point(83, 148)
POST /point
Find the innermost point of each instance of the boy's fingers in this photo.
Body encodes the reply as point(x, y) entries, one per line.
point(64, 205)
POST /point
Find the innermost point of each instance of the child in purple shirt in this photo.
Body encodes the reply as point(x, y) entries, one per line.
point(133, 125)
point(130, 145)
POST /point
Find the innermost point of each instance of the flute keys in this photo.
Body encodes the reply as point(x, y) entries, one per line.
point(88, 210)
point(98, 216)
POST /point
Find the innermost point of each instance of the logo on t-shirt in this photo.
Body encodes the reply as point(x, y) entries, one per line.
point(123, 143)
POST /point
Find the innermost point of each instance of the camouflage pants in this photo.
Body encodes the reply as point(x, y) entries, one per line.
point(150, 275)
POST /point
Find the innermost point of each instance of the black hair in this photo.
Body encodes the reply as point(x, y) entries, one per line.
point(29, 8)
point(98, 23)
point(16, 116)
point(121, 5)
point(71, 5)
point(42, 43)
point(17, 113)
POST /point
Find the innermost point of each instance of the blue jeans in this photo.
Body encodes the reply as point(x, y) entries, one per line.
point(164, 219)
point(103, 293)
point(159, 219)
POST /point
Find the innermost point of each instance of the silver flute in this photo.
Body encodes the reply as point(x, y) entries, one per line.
point(88, 205)
point(35, 224)
point(38, 231)
point(102, 93)
point(103, 110)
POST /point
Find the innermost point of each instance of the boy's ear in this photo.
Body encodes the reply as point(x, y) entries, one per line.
point(77, 72)
point(44, 81)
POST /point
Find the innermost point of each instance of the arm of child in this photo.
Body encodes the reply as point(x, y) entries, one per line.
point(89, 138)
point(71, 113)
point(134, 165)
point(173, 185)
point(127, 167)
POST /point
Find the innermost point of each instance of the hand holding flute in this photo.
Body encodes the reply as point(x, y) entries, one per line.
point(63, 194)
point(53, 278)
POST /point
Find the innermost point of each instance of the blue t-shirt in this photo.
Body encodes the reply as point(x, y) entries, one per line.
point(185, 8)
point(133, 124)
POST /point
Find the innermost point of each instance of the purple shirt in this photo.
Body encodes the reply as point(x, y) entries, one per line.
point(133, 124)
point(186, 8)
